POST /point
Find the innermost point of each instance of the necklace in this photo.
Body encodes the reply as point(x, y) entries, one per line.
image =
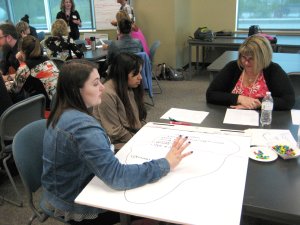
point(250, 80)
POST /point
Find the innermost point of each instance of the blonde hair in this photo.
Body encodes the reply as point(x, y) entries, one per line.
point(21, 27)
point(59, 28)
point(122, 15)
point(62, 5)
point(260, 49)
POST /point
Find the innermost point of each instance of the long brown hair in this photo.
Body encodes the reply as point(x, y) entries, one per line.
point(72, 76)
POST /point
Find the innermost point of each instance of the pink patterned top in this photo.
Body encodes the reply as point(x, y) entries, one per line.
point(257, 90)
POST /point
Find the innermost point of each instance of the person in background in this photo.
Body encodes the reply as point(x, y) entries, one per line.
point(127, 8)
point(122, 110)
point(71, 16)
point(61, 45)
point(22, 29)
point(136, 32)
point(75, 145)
point(32, 29)
point(125, 43)
point(9, 44)
point(243, 83)
point(37, 74)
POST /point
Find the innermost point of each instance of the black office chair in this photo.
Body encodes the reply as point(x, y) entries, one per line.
point(153, 49)
point(295, 80)
point(58, 62)
point(11, 121)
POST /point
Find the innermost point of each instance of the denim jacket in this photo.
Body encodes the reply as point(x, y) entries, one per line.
point(77, 149)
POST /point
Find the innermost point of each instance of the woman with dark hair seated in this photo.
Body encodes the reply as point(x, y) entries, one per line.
point(36, 74)
point(76, 148)
point(122, 111)
point(125, 43)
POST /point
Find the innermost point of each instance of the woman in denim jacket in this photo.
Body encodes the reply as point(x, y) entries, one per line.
point(76, 148)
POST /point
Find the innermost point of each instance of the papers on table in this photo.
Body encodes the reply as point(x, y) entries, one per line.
point(267, 137)
point(295, 116)
point(185, 115)
point(242, 117)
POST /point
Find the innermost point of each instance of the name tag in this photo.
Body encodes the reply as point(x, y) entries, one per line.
point(74, 17)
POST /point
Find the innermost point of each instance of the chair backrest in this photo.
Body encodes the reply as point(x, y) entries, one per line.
point(153, 49)
point(5, 100)
point(27, 151)
point(58, 62)
point(19, 115)
point(146, 72)
point(295, 80)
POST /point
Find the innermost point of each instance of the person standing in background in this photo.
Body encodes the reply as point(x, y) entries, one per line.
point(127, 8)
point(71, 16)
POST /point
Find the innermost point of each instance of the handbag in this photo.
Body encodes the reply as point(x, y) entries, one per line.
point(204, 34)
point(254, 29)
point(168, 73)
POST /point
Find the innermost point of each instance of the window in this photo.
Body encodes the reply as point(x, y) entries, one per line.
point(269, 14)
point(43, 13)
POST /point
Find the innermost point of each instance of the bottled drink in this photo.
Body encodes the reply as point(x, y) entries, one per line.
point(93, 43)
point(266, 110)
point(164, 71)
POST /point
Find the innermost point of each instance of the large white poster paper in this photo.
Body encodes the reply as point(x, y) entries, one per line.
point(206, 188)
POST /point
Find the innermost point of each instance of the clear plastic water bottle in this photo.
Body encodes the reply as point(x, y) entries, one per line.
point(266, 110)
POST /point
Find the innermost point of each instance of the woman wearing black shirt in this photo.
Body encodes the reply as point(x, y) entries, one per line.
point(71, 16)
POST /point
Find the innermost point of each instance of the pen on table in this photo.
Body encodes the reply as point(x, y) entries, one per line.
point(176, 122)
point(237, 131)
point(162, 124)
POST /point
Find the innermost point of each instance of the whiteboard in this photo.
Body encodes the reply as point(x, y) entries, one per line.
point(209, 182)
point(105, 12)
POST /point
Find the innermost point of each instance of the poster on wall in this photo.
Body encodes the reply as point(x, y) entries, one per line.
point(105, 12)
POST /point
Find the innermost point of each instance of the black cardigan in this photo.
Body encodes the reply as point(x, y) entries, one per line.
point(219, 91)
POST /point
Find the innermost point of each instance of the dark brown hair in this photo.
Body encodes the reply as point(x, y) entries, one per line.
point(72, 76)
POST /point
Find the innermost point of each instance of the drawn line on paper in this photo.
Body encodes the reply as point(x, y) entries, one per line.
point(165, 143)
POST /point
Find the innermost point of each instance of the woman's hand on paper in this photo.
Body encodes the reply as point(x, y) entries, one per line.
point(245, 102)
point(175, 155)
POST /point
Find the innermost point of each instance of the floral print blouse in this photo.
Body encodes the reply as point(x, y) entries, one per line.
point(257, 89)
point(62, 47)
point(46, 72)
